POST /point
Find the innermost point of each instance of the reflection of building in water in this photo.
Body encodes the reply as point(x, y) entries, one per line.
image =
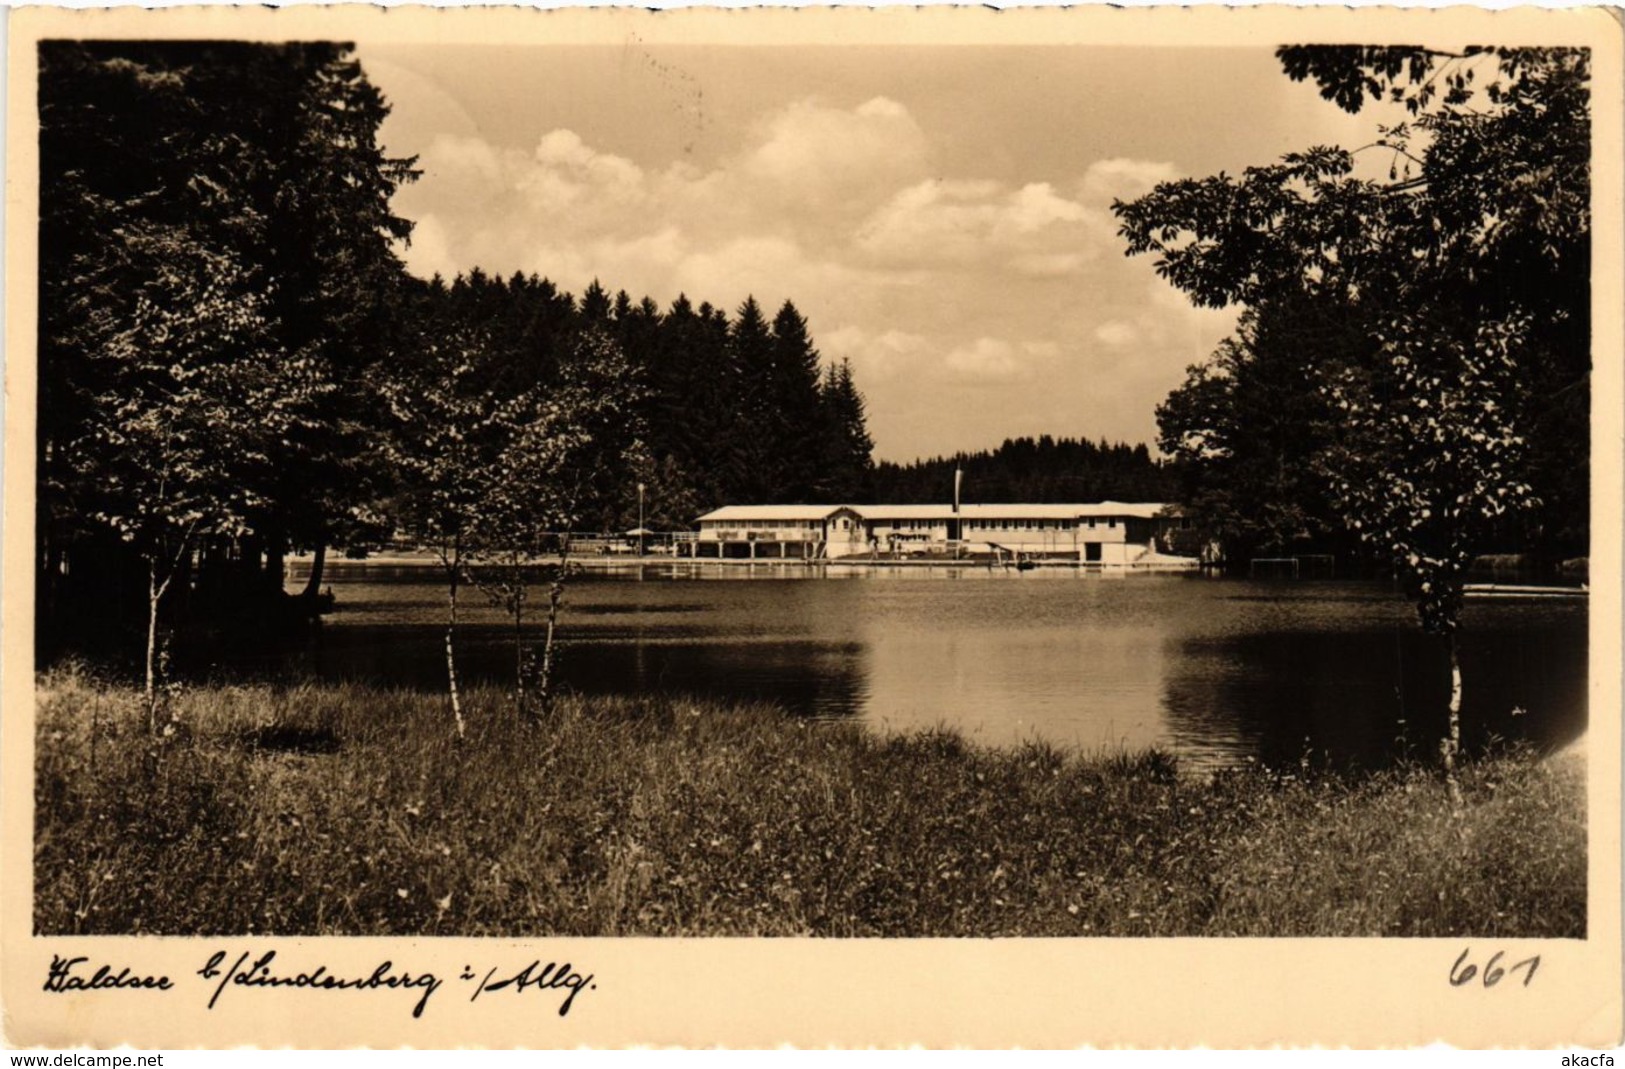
point(1107, 533)
point(1095, 688)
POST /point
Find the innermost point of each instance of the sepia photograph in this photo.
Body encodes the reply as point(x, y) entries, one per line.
point(533, 486)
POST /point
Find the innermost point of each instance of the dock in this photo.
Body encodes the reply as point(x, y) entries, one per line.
point(1515, 590)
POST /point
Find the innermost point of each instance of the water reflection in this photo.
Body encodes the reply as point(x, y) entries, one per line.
point(1374, 686)
point(1086, 687)
point(1218, 671)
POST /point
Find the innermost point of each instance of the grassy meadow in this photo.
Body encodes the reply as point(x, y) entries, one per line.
point(345, 810)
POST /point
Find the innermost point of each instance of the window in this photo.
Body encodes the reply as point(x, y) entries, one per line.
point(1091, 523)
point(1112, 522)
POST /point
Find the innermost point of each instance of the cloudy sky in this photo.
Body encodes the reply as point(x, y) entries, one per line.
point(941, 215)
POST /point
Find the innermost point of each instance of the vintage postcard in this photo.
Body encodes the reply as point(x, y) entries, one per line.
point(844, 527)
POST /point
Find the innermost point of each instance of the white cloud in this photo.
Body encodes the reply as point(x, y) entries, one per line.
point(566, 173)
point(1122, 179)
point(1005, 303)
point(821, 155)
point(1117, 333)
point(876, 358)
point(746, 265)
point(1051, 264)
point(1035, 206)
point(929, 223)
point(431, 252)
point(466, 164)
point(987, 359)
point(969, 222)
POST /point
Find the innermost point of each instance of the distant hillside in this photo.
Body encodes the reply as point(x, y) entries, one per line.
point(1040, 470)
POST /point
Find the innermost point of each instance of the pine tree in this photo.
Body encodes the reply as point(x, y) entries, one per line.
point(595, 306)
point(794, 402)
point(847, 461)
point(749, 451)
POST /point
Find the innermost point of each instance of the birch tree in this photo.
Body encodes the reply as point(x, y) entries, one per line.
point(191, 400)
point(567, 452)
point(1441, 315)
point(444, 439)
point(1428, 460)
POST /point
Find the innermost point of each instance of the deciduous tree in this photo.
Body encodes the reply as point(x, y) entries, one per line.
point(1441, 313)
point(243, 177)
point(445, 435)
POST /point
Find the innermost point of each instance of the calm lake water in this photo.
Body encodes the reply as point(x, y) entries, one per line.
point(1218, 671)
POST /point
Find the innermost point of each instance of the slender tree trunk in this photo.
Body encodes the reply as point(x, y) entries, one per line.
point(155, 595)
point(249, 571)
point(1452, 742)
point(49, 565)
point(276, 564)
point(313, 584)
point(95, 728)
point(555, 597)
point(518, 593)
point(154, 592)
point(544, 684)
point(49, 553)
point(452, 568)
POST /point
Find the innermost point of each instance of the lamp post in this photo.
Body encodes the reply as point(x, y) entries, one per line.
point(640, 520)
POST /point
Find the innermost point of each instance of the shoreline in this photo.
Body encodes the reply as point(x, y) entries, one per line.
point(299, 564)
point(348, 810)
point(620, 562)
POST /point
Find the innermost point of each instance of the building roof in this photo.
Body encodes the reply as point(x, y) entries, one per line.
point(1144, 510)
point(1097, 509)
point(1014, 511)
point(906, 512)
point(768, 513)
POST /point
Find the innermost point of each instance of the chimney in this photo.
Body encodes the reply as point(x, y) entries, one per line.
point(959, 475)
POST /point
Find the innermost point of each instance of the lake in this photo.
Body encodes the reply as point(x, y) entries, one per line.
point(1219, 671)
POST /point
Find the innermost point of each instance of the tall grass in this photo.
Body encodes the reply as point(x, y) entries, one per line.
point(350, 810)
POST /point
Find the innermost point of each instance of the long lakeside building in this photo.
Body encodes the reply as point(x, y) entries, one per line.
point(1106, 533)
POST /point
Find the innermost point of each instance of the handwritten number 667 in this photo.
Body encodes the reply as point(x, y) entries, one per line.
point(1461, 972)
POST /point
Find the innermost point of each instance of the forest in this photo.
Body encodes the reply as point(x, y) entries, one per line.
point(1040, 470)
point(1410, 376)
point(234, 364)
